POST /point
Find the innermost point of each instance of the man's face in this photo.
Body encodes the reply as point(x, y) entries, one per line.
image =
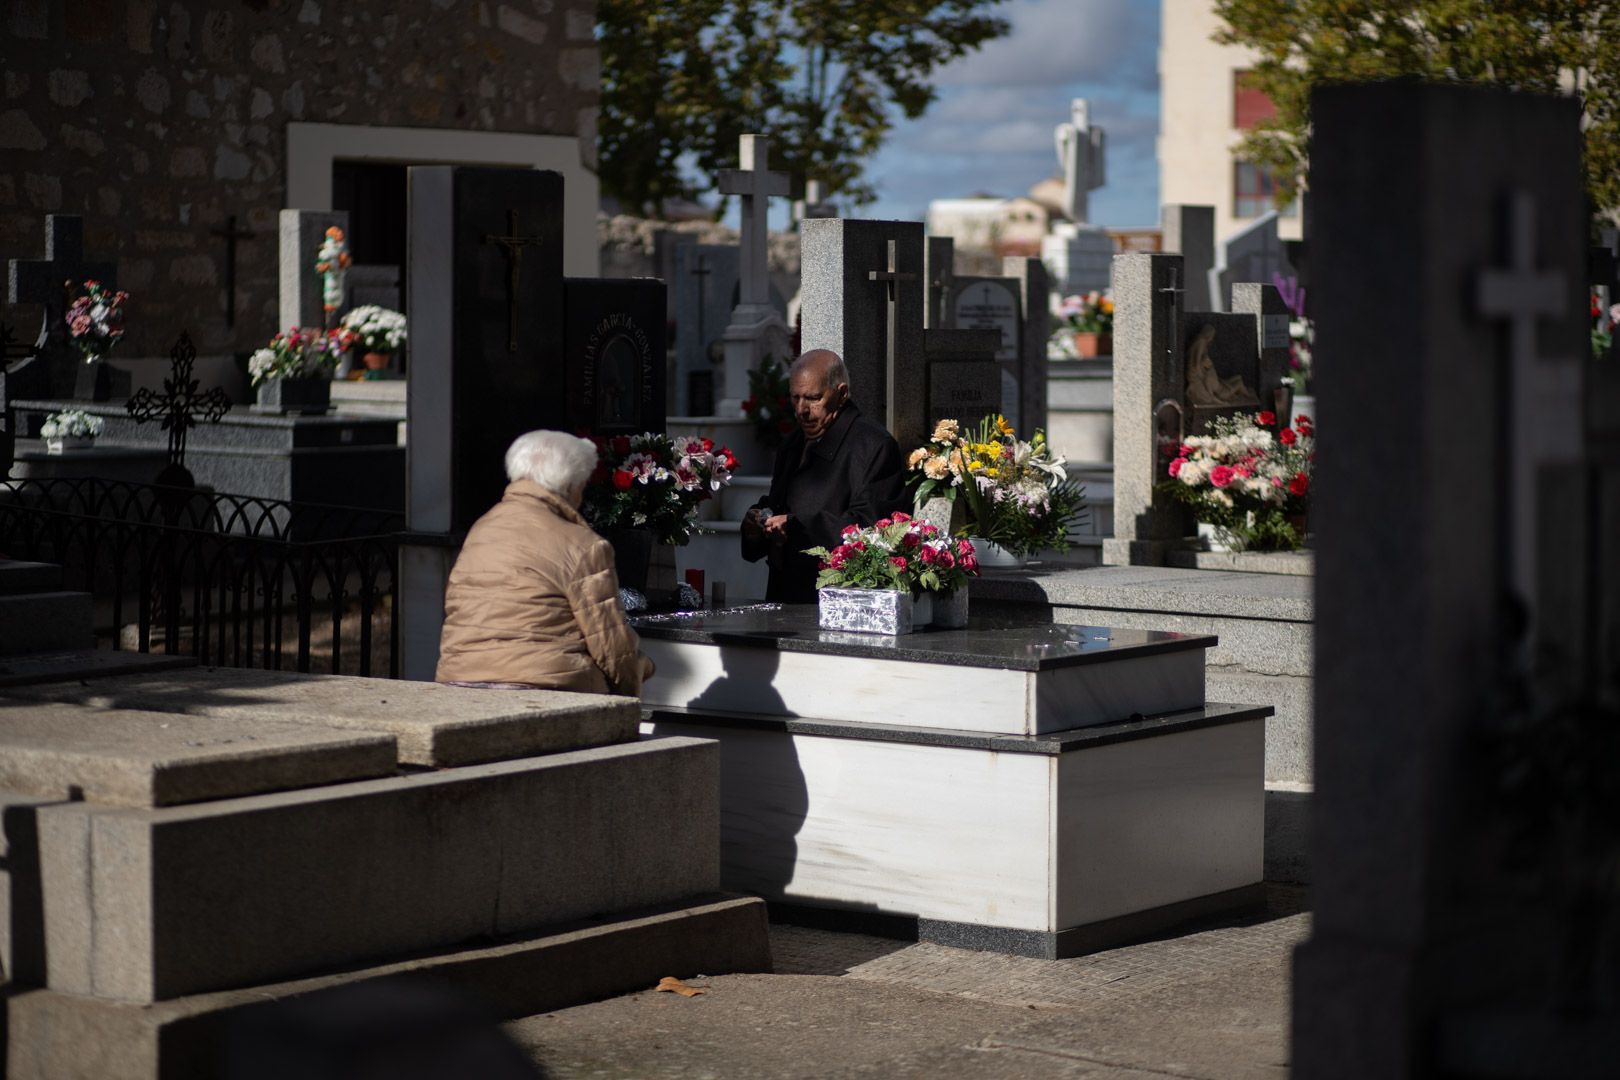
point(815, 404)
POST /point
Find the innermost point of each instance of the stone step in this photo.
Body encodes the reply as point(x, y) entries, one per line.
point(17, 576)
point(45, 621)
point(743, 492)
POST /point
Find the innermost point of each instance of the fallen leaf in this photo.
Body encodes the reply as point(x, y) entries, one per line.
point(674, 986)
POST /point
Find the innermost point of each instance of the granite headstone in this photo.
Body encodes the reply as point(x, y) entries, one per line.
point(1190, 232)
point(302, 232)
point(983, 303)
point(1255, 253)
point(963, 381)
point(1035, 288)
point(939, 269)
point(54, 370)
point(844, 310)
point(1463, 836)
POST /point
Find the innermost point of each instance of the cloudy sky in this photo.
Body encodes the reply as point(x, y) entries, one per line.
point(991, 129)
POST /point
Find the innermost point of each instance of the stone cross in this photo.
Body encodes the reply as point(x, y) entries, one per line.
point(1081, 156)
point(231, 234)
point(754, 185)
point(891, 277)
point(512, 244)
point(181, 406)
point(1537, 422)
point(756, 330)
point(51, 281)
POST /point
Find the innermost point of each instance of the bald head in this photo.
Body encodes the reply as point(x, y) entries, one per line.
point(818, 382)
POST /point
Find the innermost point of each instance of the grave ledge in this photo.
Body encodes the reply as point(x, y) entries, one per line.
point(1171, 590)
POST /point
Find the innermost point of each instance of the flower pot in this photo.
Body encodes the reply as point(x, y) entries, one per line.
point(950, 610)
point(308, 396)
point(866, 611)
point(1089, 344)
point(66, 444)
point(1218, 538)
point(376, 363)
point(992, 556)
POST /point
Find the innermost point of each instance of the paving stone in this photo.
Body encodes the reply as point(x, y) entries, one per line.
point(125, 757)
point(55, 666)
point(434, 725)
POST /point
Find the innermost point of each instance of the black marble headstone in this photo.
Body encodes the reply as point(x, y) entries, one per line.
point(487, 311)
point(614, 355)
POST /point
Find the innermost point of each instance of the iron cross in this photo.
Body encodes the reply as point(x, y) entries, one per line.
point(180, 407)
point(891, 277)
point(231, 235)
point(1175, 290)
point(512, 244)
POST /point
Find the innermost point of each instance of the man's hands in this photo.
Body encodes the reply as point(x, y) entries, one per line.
point(757, 525)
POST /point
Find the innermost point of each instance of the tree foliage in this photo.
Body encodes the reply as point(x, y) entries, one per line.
point(825, 79)
point(1550, 46)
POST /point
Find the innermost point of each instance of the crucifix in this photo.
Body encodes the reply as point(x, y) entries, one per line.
point(180, 407)
point(1534, 407)
point(512, 244)
point(891, 277)
point(231, 235)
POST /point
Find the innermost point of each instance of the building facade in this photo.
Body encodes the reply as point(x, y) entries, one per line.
point(1204, 109)
point(160, 124)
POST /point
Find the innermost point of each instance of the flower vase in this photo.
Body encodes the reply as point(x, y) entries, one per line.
point(307, 396)
point(65, 444)
point(92, 381)
point(866, 611)
point(1089, 344)
point(632, 556)
point(950, 610)
point(661, 570)
point(992, 556)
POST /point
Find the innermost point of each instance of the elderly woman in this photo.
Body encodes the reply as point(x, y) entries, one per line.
point(533, 600)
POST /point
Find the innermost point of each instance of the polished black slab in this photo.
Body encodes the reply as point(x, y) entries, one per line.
point(1052, 743)
point(1006, 641)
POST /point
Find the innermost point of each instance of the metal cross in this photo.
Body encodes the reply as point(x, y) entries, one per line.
point(512, 244)
point(1539, 392)
point(1175, 290)
point(891, 277)
point(51, 281)
point(180, 407)
point(231, 235)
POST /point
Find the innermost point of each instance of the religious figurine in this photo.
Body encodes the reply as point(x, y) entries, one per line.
point(1205, 386)
point(332, 263)
point(1080, 153)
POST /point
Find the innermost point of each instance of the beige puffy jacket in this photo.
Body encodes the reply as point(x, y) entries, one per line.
point(533, 598)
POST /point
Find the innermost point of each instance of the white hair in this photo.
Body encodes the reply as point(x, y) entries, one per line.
point(556, 460)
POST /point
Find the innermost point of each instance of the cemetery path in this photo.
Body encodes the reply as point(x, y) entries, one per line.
point(1210, 1003)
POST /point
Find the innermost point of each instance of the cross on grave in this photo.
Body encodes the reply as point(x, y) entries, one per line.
point(231, 235)
point(512, 245)
point(180, 407)
point(701, 271)
point(754, 184)
point(891, 276)
point(50, 281)
point(1533, 406)
point(1175, 290)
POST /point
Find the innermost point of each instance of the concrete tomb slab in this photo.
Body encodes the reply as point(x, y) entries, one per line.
point(126, 757)
point(434, 725)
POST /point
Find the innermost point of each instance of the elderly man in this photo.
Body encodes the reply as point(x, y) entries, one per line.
point(837, 469)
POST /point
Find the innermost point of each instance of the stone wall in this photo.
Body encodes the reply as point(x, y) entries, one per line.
point(156, 120)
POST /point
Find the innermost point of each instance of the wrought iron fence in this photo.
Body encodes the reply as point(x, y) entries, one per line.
point(233, 580)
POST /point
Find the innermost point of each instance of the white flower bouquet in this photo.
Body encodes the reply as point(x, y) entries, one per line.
point(376, 329)
point(71, 424)
point(300, 353)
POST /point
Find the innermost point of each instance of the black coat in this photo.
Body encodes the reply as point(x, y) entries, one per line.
point(853, 475)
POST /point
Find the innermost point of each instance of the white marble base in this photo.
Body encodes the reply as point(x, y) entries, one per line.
point(767, 682)
point(1039, 843)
